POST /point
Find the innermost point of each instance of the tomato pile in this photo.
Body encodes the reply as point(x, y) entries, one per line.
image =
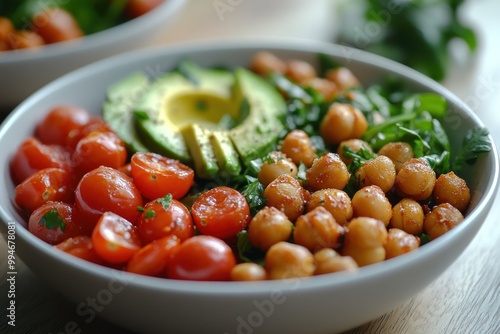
point(298, 216)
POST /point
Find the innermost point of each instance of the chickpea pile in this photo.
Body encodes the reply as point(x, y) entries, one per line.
point(398, 199)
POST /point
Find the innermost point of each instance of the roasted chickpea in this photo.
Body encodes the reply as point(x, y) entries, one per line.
point(371, 202)
point(365, 241)
point(6, 28)
point(285, 260)
point(265, 62)
point(353, 144)
point(267, 227)
point(342, 122)
point(398, 152)
point(399, 242)
point(286, 194)
point(408, 215)
point(343, 78)
point(441, 219)
point(248, 271)
point(298, 146)
point(327, 171)
point(326, 88)
point(275, 164)
point(452, 189)
point(379, 171)
point(24, 39)
point(317, 229)
point(336, 201)
point(415, 179)
point(328, 261)
point(300, 71)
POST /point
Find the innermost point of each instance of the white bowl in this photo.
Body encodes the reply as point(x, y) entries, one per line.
point(28, 70)
point(321, 304)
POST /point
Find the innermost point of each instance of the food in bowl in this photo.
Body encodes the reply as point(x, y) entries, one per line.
point(276, 171)
point(26, 24)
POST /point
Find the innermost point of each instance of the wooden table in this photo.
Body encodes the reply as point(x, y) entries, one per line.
point(465, 299)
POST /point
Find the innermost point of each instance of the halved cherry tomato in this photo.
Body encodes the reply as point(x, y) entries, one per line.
point(81, 247)
point(107, 189)
point(49, 184)
point(115, 238)
point(221, 212)
point(202, 258)
point(156, 175)
point(33, 156)
point(153, 259)
point(95, 124)
point(56, 25)
point(162, 217)
point(54, 222)
point(99, 149)
point(59, 123)
point(137, 8)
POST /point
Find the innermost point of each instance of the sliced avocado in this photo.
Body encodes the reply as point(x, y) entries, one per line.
point(225, 153)
point(117, 110)
point(198, 142)
point(257, 134)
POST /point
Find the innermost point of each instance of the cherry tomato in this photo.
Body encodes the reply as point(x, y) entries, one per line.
point(221, 212)
point(153, 259)
point(202, 258)
point(81, 247)
point(33, 156)
point(95, 124)
point(162, 217)
point(156, 175)
point(56, 25)
point(115, 238)
point(54, 222)
point(126, 169)
point(137, 8)
point(99, 149)
point(107, 189)
point(49, 184)
point(60, 123)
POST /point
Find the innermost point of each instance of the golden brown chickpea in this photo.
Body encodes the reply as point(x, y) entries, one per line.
point(24, 39)
point(269, 226)
point(285, 260)
point(452, 189)
point(336, 201)
point(379, 171)
point(398, 152)
point(275, 164)
point(329, 261)
point(248, 271)
point(416, 180)
point(371, 202)
point(265, 62)
point(286, 194)
point(327, 171)
point(6, 28)
point(399, 242)
point(326, 88)
point(300, 71)
point(342, 122)
point(353, 144)
point(408, 215)
point(317, 229)
point(298, 146)
point(365, 241)
point(441, 219)
point(343, 78)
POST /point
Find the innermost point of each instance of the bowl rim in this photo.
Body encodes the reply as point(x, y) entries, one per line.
point(250, 288)
point(96, 40)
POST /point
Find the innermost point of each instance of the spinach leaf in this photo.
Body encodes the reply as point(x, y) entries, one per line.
point(476, 142)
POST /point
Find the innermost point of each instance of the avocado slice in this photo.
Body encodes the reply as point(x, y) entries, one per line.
point(225, 153)
point(117, 110)
point(198, 142)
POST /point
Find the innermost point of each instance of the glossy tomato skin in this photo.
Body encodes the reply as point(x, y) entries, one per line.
point(153, 259)
point(99, 149)
point(202, 258)
point(156, 221)
point(115, 239)
point(157, 176)
point(107, 189)
point(221, 212)
point(82, 247)
point(49, 184)
point(54, 222)
point(60, 123)
point(95, 124)
point(33, 156)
